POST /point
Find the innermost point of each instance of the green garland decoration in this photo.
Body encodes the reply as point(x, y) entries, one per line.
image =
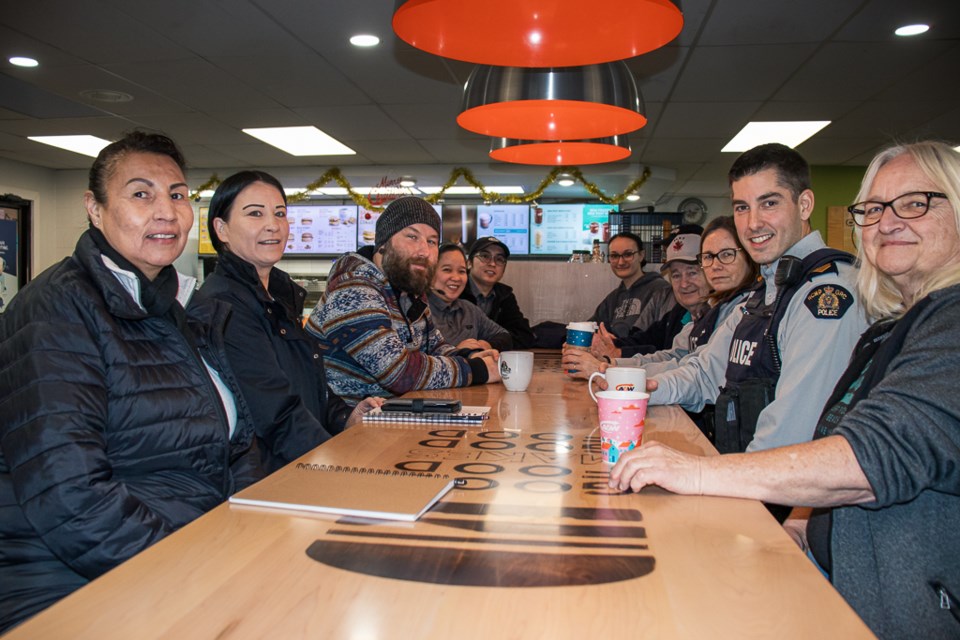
point(334, 174)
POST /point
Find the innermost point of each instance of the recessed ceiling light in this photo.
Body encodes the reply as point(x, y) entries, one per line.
point(23, 61)
point(407, 181)
point(87, 145)
point(912, 29)
point(467, 191)
point(633, 197)
point(565, 180)
point(788, 133)
point(364, 40)
point(301, 141)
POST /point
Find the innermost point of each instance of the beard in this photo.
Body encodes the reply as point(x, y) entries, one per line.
point(398, 270)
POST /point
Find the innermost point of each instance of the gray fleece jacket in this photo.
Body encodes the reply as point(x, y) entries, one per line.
point(897, 560)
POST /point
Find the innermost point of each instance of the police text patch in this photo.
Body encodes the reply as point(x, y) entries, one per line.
point(829, 301)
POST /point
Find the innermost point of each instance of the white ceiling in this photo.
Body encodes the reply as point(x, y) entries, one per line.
point(200, 70)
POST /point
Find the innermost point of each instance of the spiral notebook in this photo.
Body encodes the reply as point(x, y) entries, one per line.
point(349, 491)
point(466, 415)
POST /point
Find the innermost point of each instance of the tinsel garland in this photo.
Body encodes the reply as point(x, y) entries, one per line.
point(334, 174)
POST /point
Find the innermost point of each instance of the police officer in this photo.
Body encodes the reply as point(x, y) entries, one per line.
point(778, 358)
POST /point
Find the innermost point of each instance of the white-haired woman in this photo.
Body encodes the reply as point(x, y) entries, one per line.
point(885, 461)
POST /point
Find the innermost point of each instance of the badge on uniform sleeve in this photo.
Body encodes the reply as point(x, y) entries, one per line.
point(829, 301)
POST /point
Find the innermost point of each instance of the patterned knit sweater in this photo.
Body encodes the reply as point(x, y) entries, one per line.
point(378, 341)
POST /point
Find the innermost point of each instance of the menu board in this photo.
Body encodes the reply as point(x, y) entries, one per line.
point(560, 229)
point(367, 227)
point(509, 223)
point(329, 229)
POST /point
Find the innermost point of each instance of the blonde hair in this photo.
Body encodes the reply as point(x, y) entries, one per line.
point(940, 163)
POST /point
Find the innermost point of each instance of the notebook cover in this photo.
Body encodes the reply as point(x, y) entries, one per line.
point(350, 492)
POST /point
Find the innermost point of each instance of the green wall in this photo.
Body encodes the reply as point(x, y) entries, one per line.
point(832, 186)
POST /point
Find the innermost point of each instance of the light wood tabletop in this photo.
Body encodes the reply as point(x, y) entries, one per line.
point(534, 546)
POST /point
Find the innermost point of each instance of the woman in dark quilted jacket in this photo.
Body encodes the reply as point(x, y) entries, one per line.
point(120, 418)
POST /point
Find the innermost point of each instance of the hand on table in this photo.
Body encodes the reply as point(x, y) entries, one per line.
point(493, 366)
point(581, 360)
point(486, 353)
point(470, 343)
point(364, 406)
point(657, 464)
point(603, 345)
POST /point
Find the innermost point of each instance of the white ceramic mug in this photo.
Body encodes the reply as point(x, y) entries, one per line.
point(516, 369)
point(620, 379)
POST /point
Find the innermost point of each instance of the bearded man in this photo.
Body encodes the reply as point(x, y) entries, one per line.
point(375, 324)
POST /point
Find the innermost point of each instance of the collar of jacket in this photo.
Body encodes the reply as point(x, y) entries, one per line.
point(120, 289)
point(282, 288)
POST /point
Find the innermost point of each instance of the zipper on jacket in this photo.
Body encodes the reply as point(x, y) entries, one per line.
point(947, 601)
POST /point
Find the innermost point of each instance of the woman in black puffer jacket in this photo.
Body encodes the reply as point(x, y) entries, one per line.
point(279, 365)
point(116, 429)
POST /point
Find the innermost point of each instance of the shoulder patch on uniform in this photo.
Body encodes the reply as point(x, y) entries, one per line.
point(829, 301)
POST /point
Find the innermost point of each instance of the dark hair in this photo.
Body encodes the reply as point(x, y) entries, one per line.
point(228, 191)
point(725, 223)
point(793, 172)
point(451, 246)
point(136, 141)
point(637, 240)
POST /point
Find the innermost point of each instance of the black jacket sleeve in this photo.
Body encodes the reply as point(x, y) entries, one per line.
point(509, 316)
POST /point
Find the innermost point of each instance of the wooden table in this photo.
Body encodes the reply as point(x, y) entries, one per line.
point(536, 546)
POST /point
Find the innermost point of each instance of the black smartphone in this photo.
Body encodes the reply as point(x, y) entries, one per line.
point(421, 405)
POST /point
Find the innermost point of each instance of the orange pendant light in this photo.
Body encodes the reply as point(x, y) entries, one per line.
point(561, 152)
point(537, 33)
point(564, 103)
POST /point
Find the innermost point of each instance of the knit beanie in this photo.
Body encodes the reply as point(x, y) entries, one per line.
point(403, 212)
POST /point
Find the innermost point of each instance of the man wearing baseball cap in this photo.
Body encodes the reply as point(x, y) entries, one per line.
point(375, 321)
point(487, 262)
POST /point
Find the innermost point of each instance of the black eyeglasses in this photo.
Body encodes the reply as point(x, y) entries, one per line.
point(908, 206)
point(725, 256)
point(489, 258)
point(626, 255)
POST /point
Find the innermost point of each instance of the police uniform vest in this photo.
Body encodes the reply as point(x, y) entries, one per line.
point(703, 327)
point(753, 365)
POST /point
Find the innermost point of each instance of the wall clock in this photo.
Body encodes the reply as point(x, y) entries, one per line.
point(694, 210)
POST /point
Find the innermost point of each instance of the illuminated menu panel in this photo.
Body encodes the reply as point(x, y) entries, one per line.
point(326, 229)
point(509, 223)
point(560, 229)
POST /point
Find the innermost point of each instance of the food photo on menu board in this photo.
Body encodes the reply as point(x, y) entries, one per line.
point(323, 229)
point(560, 229)
point(367, 227)
point(509, 223)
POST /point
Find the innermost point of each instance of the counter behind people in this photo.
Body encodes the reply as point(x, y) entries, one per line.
point(120, 416)
point(375, 322)
point(279, 365)
point(461, 322)
point(771, 391)
point(886, 455)
point(487, 263)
